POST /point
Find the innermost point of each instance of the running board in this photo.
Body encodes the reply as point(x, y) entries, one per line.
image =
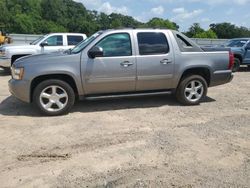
point(114, 96)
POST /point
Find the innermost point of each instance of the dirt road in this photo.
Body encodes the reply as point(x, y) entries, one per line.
point(139, 142)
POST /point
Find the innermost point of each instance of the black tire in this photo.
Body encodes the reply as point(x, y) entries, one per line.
point(236, 66)
point(184, 83)
point(6, 70)
point(53, 82)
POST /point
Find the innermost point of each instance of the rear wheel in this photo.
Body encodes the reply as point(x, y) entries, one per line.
point(191, 90)
point(236, 66)
point(54, 97)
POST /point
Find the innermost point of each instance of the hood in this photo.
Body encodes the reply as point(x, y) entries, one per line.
point(17, 46)
point(55, 57)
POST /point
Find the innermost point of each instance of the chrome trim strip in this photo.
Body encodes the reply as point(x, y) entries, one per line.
point(101, 80)
point(127, 95)
point(155, 77)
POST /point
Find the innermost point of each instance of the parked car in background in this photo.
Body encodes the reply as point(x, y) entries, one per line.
point(120, 63)
point(48, 43)
point(241, 50)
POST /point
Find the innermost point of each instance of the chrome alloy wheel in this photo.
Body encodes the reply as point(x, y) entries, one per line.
point(194, 91)
point(53, 98)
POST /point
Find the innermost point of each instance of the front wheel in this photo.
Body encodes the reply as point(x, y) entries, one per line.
point(191, 90)
point(54, 97)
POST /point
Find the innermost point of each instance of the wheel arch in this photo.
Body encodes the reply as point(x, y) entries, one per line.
point(205, 72)
point(238, 56)
point(63, 77)
point(17, 56)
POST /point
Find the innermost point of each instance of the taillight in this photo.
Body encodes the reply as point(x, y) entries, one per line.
point(231, 60)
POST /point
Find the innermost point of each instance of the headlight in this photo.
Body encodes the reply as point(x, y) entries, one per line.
point(17, 73)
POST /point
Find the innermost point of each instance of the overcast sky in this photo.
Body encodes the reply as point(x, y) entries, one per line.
point(183, 12)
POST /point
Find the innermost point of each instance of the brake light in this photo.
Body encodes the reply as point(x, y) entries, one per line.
point(231, 60)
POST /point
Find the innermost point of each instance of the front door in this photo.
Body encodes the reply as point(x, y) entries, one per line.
point(155, 61)
point(114, 72)
point(53, 44)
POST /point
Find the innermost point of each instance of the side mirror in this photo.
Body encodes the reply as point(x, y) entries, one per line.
point(45, 43)
point(95, 52)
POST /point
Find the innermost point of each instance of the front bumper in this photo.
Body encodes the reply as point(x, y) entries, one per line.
point(221, 77)
point(20, 89)
point(5, 62)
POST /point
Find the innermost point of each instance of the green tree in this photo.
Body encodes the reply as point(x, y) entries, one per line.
point(23, 24)
point(194, 30)
point(228, 30)
point(210, 34)
point(161, 23)
point(44, 16)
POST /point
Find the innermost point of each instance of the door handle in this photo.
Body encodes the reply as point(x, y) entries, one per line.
point(165, 61)
point(126, 64)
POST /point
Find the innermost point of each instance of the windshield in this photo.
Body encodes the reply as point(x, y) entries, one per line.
point(85, 43)
point(236, 43)
point(38, 40)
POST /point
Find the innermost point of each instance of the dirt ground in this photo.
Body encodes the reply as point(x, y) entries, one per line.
point(139, 142)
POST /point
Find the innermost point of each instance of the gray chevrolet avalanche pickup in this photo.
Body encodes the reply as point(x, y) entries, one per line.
point(120, 63)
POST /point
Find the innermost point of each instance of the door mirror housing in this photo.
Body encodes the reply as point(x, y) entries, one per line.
point(95, 52)
point(45, 43)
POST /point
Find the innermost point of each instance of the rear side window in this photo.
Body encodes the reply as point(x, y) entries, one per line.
point(185, 44)
point(152, 43)
point(74, 40)
point(183, 41)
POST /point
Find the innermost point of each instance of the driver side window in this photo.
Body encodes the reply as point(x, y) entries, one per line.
point(56, 40)
point(116, 45)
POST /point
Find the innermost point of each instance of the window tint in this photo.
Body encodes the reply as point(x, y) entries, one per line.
point(74, 40)
point(116, 45)
point(152, 43)
point(55, 40)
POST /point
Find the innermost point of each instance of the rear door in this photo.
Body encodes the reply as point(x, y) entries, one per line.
point(114, 72)
point(155, 61)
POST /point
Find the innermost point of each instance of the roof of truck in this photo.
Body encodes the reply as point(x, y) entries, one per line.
point(130, 28)
point(67, 33)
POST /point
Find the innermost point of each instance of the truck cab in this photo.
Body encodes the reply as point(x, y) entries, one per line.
point(54, 42)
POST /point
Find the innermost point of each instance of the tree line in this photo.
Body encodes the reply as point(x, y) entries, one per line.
point(46, 16)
